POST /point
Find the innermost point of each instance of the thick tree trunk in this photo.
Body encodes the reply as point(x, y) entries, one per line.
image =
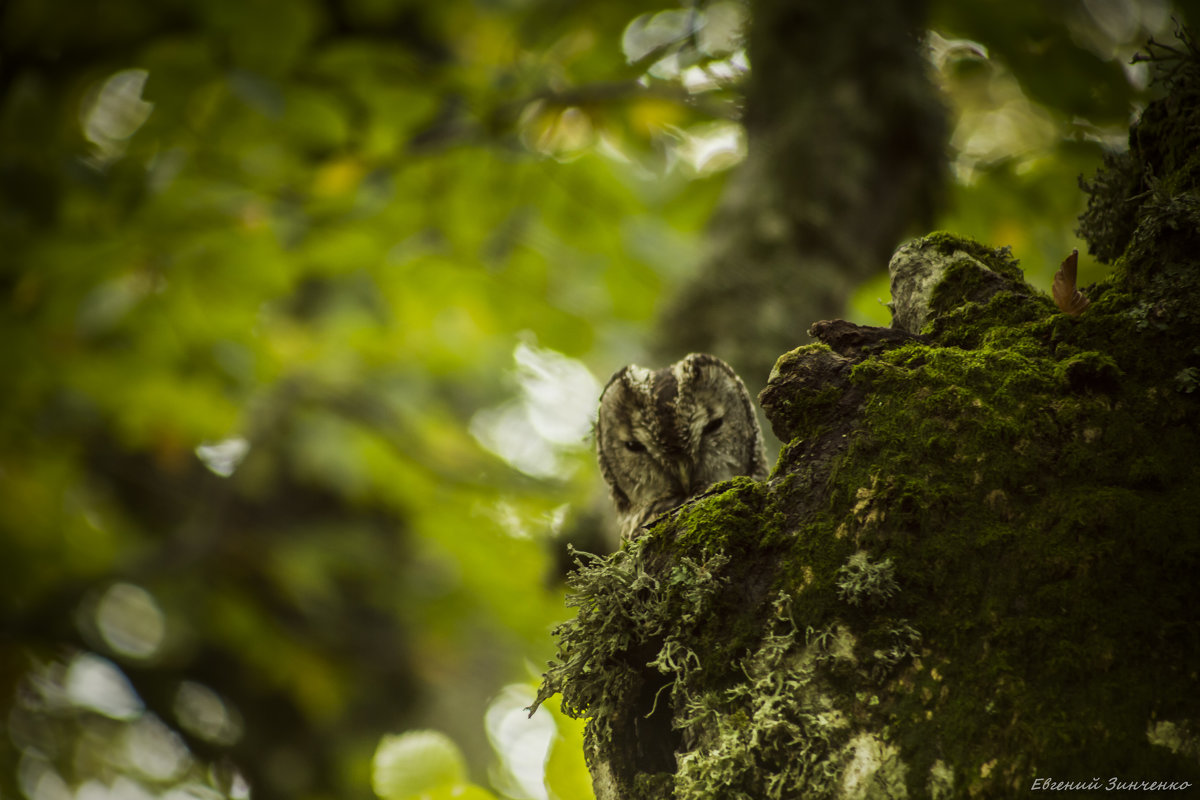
point(846, 151)
point(973, 569)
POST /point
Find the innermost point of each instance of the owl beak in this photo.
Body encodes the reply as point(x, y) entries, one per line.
point(685, 477)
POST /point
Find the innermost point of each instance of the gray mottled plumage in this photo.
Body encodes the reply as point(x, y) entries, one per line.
point(664, 436)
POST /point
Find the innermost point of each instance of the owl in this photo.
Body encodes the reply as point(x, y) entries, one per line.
point(664, 436)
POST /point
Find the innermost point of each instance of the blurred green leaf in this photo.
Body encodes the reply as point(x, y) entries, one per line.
point(421, 764)
point(567, 776)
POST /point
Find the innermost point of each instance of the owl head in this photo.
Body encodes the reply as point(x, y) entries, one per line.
point(666, 435)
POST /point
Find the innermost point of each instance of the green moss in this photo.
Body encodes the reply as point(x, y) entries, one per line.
point(939, 273)
point(1030, 576)
point(959, 474)
point(1089, 370)
point(809, 401)
point(998, 260)
point(730, 516)
point(658, 784)
point(1161, 166)
point(1107, 225)
point(990, 322)
point(967, 279)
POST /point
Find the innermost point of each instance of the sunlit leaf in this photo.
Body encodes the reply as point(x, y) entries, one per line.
point(462, 791)
point(416, 763)
point(567, 776)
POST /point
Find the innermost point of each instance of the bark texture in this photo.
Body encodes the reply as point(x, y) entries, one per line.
point(973, 566)
point(846, 151)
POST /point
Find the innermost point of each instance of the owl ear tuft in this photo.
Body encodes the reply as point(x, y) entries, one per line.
point(663, 405)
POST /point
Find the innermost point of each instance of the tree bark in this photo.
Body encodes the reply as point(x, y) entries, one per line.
point(846, 151)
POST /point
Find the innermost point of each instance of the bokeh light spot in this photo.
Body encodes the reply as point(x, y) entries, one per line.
point(130, 621)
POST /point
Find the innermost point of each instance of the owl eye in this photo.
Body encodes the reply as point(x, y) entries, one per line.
point(714, 426)
point(635, 446)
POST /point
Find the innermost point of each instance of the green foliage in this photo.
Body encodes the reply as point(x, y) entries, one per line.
point(1060, 55)
point(567, 776)
point(266, 264)
point(1041, 93)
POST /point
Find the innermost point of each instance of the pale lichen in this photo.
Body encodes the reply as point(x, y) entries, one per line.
point(874, 770)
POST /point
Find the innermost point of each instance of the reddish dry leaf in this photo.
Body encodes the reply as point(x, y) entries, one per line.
point(1069, 299)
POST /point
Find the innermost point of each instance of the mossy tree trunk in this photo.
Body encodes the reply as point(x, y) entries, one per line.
point(846, 151)
point(974, 564)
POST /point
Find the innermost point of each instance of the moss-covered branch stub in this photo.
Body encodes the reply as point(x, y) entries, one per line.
point(941, 272)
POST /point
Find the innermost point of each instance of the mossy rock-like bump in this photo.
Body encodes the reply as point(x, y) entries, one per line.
point(940, 272)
